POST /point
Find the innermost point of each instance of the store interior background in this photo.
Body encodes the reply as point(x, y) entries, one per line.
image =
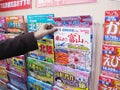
point(96, 10)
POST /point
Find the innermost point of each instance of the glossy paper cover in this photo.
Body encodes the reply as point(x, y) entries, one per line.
point(70, 79)
point(40, 70)
point(15, 24)
point(111, 61)
point(2, 24)
point(34, 84)
point(108, 83)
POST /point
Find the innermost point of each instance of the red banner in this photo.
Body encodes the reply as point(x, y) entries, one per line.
point(45, 3)
point(8, 5)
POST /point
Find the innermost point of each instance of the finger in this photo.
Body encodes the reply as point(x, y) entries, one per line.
point(49, 26)
point(53, 30)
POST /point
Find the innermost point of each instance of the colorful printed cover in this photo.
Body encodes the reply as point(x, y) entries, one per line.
point(112, 27)
point(17, 65)
point(15, 24)
point(73, 47)
point(3, 85)
point(17, 81)
point(2, 36)
point(73, 42)
point(111, 61)
point(2, 24)
point(112, 15)
point(4, 63)
point(34, 84)
point(40, 70)
point(3, 74)
point(45, 51)
point(74, 21)
point(108, 83)
point(70, 79)
point(35, 21)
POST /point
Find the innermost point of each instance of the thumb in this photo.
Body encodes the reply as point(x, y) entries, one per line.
point(51, 30)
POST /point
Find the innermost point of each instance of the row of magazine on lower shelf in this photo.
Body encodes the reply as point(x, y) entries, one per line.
point(46, 76)
point(63, 61)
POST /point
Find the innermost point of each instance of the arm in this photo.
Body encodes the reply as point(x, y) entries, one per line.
point(19, 45)
point(23, 43)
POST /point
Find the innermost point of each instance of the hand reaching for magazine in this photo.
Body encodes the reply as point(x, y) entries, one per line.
point(44, 30)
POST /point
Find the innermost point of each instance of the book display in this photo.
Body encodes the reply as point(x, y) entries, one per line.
point(110, 67)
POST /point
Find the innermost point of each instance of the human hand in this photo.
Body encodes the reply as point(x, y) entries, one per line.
point(44, 30)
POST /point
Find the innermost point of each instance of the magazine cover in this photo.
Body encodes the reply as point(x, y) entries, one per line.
point(2, 36)
point(112, 33)
point(3, 74)
point(4, 63)
point(2, 24)
point(3, 85)
point(112, 15)
point(111, 61)
point(17, 81)
point(17, 65)
point(73, 42)
point(70, 79)
point(73, 47)
point(108, 83)
point(112, 27)
point(45, 51)
point(34, 84)
point(74, 21)
point(15, 24)
point(35, 21)
point(40, 70)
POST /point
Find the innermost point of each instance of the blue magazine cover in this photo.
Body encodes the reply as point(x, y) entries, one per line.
point(34, 84)
point(35, 21)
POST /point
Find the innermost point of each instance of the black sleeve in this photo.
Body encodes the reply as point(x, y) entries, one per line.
point(17, 46)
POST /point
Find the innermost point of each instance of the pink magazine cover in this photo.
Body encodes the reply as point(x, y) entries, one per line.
point(73, 42)
point(70, 79)
point(4, 63)
point(73, 47)
point(2, 36)
point(2, 24)
point(73, 21)
point(111, 61)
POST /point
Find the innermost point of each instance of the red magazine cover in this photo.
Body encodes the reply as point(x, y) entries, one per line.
point(108, 83)
point(111, 61)
point(112, 15)
point(112, 27)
